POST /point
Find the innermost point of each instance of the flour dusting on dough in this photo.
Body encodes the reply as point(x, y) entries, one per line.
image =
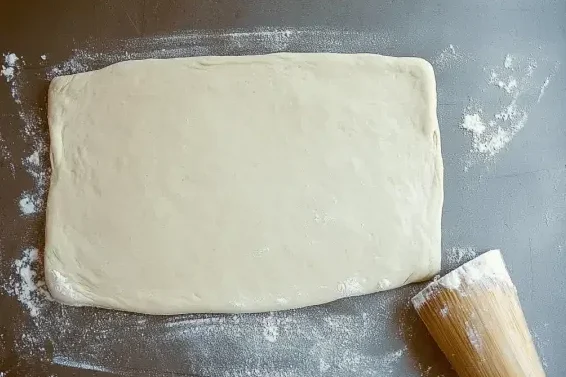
point(350, 287)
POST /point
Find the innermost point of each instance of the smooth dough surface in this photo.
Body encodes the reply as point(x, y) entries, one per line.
point(242, 184)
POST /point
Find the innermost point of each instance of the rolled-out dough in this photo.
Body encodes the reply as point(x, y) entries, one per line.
point(242, 184)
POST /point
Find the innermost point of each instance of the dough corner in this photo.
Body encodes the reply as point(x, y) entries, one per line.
point(60, 287)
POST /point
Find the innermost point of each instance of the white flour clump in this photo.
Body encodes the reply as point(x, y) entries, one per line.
point(492, 141)
point(474, 124)
point(29, 203)
point(9, 66)
point(25, 284)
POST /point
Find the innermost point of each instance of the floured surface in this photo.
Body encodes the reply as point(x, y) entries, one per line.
point(242, 184)
point(357, 334)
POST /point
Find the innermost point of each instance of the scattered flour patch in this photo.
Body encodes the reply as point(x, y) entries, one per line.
point(390, 360)
point(278, 40)
point(495, 143)
point(492, 125)
point(25, 284)
point(460, 254)
point(508, 86)
point(542, 343)
point(489, 138)
point(33, 159)
point(270, 329)
point(508, 63)
point(6, 156)
point(447, 57)
point(32, 202)
point(68, 67)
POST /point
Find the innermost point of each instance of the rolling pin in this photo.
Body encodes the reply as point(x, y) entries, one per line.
point(474, 315)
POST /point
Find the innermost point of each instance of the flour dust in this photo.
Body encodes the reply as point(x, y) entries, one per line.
point(447, 58)
point(24, 282)
point(541, 334)
point(457, 255)
point(518, 84)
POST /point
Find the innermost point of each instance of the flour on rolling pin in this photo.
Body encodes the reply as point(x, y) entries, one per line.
point(474, 315)
point(487, 270)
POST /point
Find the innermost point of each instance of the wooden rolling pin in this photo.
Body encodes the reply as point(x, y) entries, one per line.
point(474, 315)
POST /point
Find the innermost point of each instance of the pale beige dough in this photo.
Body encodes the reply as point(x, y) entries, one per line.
point(242, 184)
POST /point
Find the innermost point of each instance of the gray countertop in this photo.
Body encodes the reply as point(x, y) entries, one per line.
point(514, 200)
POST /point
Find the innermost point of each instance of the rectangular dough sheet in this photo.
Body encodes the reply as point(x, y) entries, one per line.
point(242, 184)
